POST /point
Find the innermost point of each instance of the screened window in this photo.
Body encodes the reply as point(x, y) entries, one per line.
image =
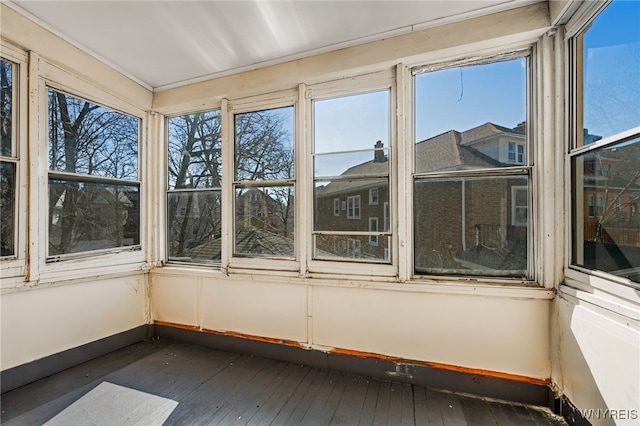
point(351, 157)
point(264, 183)
point(605, 157)
point(194, 191)
point(471, 201)
point(94, 189)
point(8, 159)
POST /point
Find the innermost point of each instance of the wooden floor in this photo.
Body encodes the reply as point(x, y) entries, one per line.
point(180, 384)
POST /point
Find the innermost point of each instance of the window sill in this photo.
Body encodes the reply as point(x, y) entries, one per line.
point(596, 282)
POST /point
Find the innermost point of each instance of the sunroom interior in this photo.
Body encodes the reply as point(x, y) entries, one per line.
point(449, 187)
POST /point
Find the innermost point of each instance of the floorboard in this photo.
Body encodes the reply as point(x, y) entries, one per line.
point(170, 383)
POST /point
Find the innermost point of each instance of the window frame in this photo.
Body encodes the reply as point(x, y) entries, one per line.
point(529, 51)
point(355, 85)
point(354, 207)
point(230, 108)
point(92, 179)
point(13, 268)
point(167, 190)
point(45, 75)
point(579, 276)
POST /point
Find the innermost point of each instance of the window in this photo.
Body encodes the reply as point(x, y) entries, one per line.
point(353, 207)
point(194, 187)
point(351, 157)
point(515, 153)
point(519, 205)
point(373, 227)
point(463, 186)
point(94, 189)
point(605, 154)
point(8, 160)
point(373, 196)
point(592, 206)
point(336, 206)
point(264, 165)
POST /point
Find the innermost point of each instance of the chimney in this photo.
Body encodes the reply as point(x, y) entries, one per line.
point(378, 154)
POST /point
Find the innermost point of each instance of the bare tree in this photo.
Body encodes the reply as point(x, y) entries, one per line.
point(89, 140)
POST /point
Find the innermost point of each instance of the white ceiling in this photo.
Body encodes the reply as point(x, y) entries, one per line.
point(163, 44)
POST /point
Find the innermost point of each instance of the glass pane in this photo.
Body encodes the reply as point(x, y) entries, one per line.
point(7, 208)
point(373, 162)
point(611, 72)
point(351, 123)
point(471, 226)
point(194, 233)
point(264, 145)
point(85, 216)
point(606, 209)
point(356, 200)
point(195, 150)
point(264, 224)
point(90, 139)
point(349, 247)
point(471, 117)
point(6, 108)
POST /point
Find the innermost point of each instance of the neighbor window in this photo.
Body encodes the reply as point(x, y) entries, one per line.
point(373, 227)
point(605, 155)
point(8, 159)
point(471, 201)
point(264, 183)
point(351, 159)
point(94, 188)
point(194, 192)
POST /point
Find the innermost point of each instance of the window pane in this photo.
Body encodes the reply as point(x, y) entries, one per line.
point(195, 150)
point(7, 208)
point(373, 162)
point(90, 139)
point(471, 226)
point(194, 233)
point(607, 236)
point(354, 195)
point(264, 145)
point(351, 123)
point(85, 216)
point(349, 247)
point(6, 108)
point(473, 117)
point(264, 223)
point(611, 72)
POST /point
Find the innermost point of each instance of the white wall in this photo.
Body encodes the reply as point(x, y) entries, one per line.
point(485, 331)
point(38, 322)
point(597, 350)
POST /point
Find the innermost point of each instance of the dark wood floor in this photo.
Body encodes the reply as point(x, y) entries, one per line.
point(180, 384)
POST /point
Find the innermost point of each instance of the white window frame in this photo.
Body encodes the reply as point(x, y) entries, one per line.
point(514, 207)
point(374, 196)
point(13, 268)
point(532, 52)
point(231, 107)
point(336, 206)
point(47, 75)
point(354, 207)
point(195, 210)
point(373, 82)
point(577, 276)
point(373, 227)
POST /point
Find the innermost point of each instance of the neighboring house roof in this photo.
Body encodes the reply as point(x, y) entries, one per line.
point(446, 152)
point(488, 130)
point(249, 240)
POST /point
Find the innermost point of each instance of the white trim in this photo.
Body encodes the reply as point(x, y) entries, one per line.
point(16, 264)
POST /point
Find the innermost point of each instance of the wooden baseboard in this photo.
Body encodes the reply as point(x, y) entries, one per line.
point(515, 389)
